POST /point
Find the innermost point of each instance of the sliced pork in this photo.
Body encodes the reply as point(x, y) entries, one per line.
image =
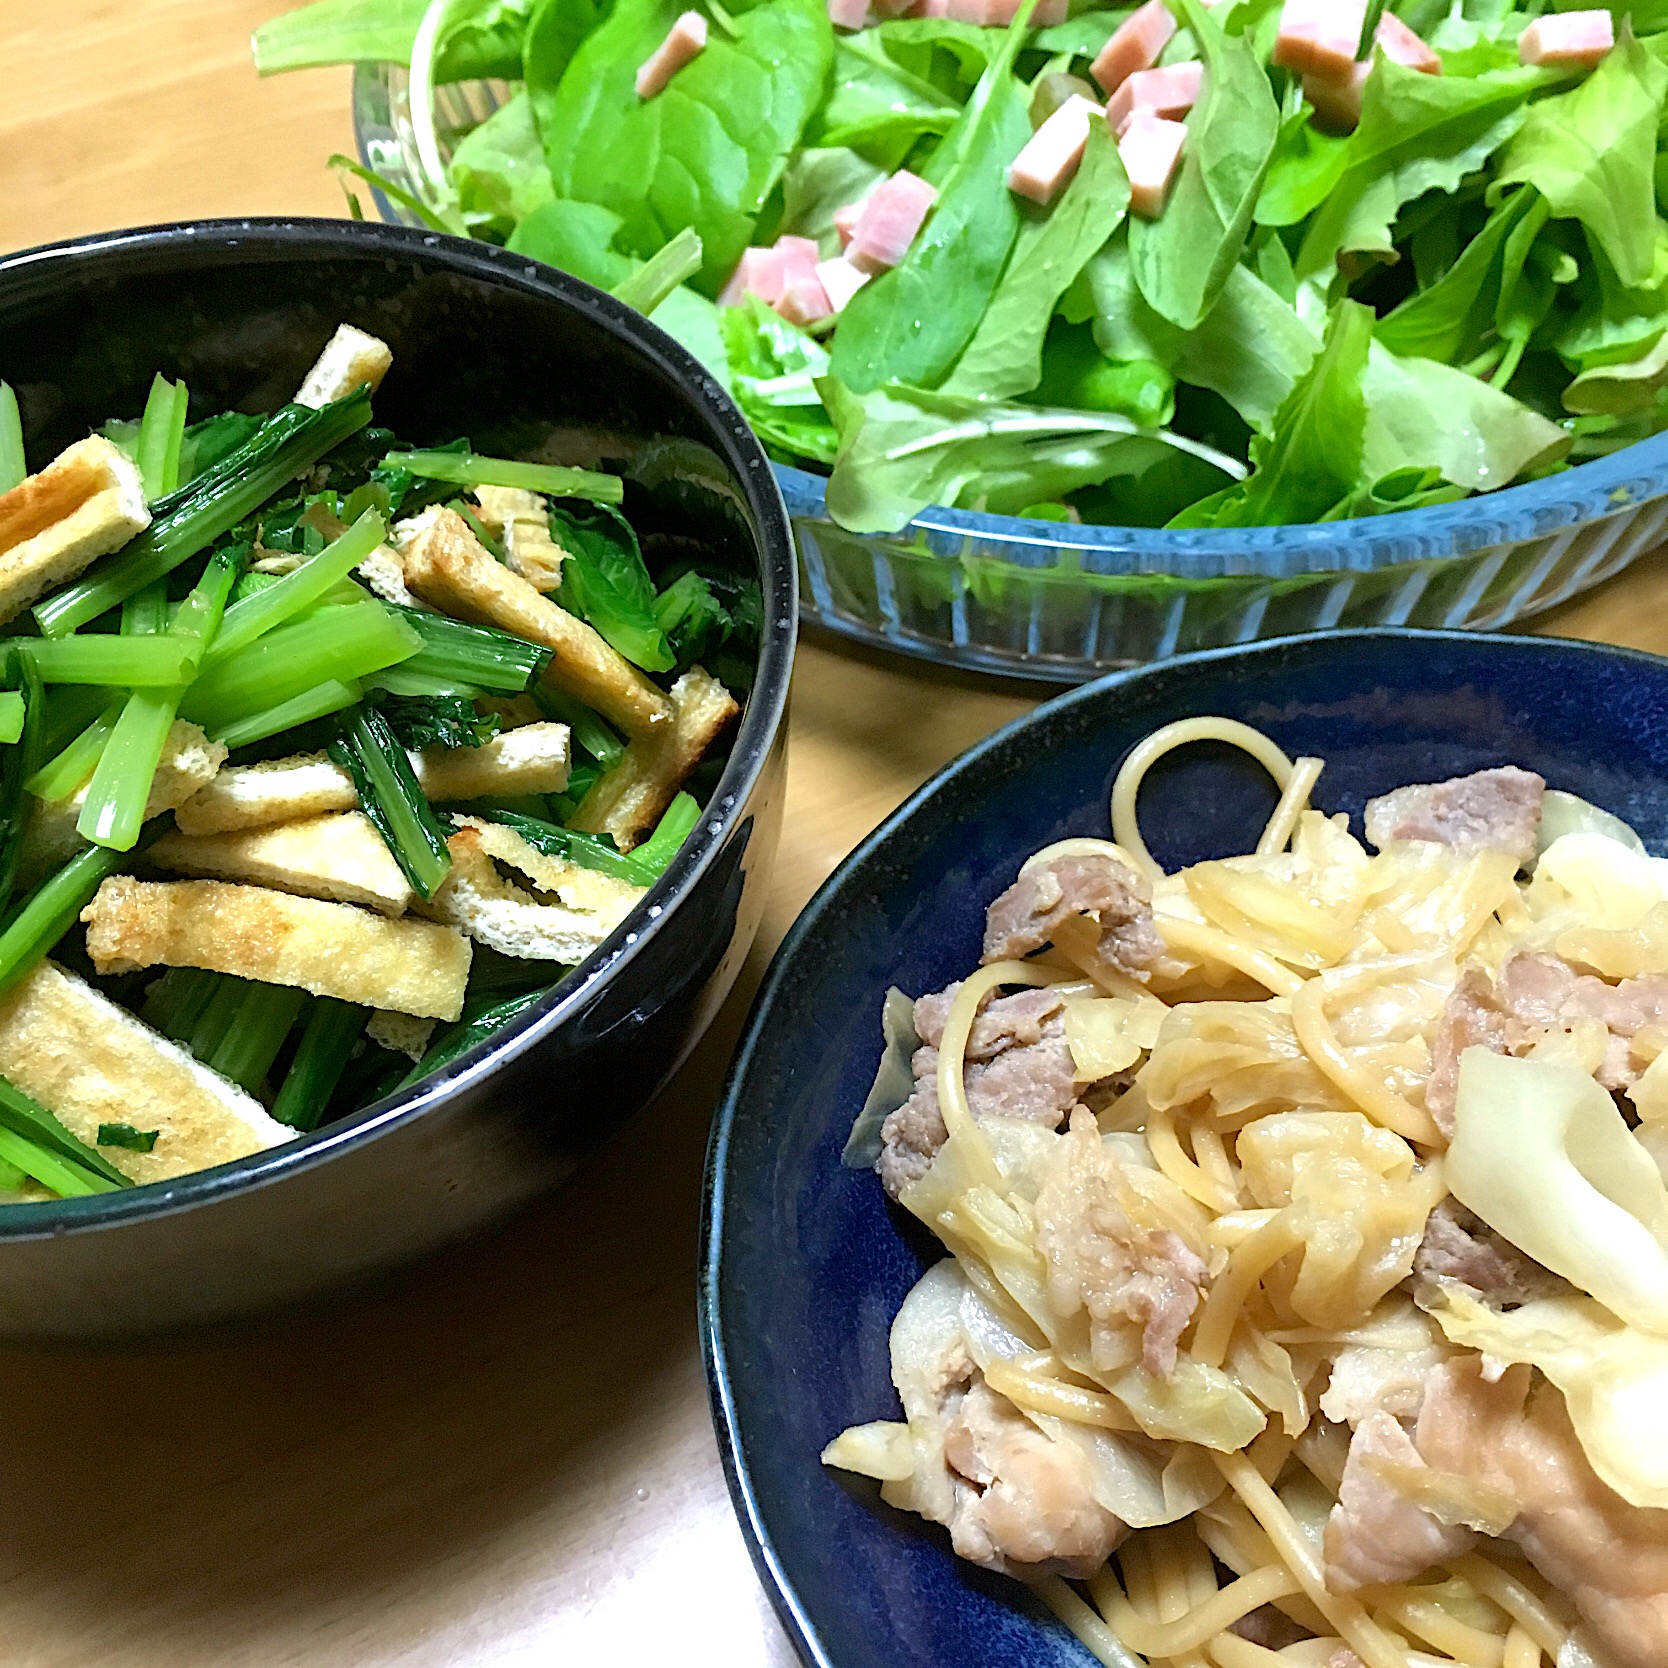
point(1490, 810)
point(1460, 1249)
point(1029, 913)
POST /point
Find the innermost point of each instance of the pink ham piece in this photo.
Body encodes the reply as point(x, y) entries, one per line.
point(803, 299)
point(1150, 150)
point(1135, 45)
point(759, 272)
point(848, 14)
point(892, 214)
point(1168, 92)
point(845, 221)
point(998, 14)
point(1399, 44)
point(1567, 38)
point(840, 281)
point(1337, 99)
point(1319, 37)
point(685, 41)
point(1051, 155)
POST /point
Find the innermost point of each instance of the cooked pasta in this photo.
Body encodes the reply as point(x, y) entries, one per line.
point(1308, 1292)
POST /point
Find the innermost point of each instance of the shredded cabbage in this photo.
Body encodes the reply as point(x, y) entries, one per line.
point(1614, 1379)
point(1542, 1155)
point(1108, 1034)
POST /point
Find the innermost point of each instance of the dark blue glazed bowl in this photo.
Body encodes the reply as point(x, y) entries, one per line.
point(806, 1263)
point(515, 355)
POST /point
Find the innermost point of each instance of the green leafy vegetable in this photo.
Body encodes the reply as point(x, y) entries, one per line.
point(437, 721)
point(327, 1043)
point(454, 652)
point(605, 582)
point(13, 467)
point(589, 851)
point(161, 434)
point(486, 43)
point(23, 1115)
point(125, 1135)
point(467, 469)
point(370, 753)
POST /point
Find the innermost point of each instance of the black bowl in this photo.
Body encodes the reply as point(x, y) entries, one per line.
point(496, 347)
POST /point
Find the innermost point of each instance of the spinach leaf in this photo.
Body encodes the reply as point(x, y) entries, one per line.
point(902, 449)
point(915, 41)
point(1591, 153)
point(773, 370)
point(877, 105)
point(819, 181)
point(909, 324)
point(1082, 36)
point(706, 151)
point(578, 238)
point(497, 172)
point(1182, 259)
point(1313, 458)
point(1448, 320)
point(485, 44)
point(1004, 357)
point(605, 582)
point(1417, 133)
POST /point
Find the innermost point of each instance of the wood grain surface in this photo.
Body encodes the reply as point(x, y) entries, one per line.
point(506, 1457)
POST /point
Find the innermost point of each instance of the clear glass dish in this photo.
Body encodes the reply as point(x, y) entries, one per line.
point(1066, 603)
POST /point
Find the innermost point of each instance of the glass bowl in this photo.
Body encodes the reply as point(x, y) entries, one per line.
point(1065, 603)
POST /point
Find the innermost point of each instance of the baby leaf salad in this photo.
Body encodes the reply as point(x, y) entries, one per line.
point(321, 758)
point(1251, 263)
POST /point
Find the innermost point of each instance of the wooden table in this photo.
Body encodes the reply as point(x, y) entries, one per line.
point(507, 1459)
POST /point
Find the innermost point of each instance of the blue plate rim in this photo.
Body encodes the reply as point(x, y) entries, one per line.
point(767, 1563)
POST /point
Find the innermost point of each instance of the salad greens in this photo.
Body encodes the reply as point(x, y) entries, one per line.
point(1474, 280)
point(402, 774)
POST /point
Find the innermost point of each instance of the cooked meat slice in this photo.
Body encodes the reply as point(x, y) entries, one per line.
point(1273, 1629)
point(1490, 810)
point(1375, 1534)
point(1471, 1018)
point(339, 855)
point(1028, 914)
point(1131, 1280)
point(86, 503)
point(330, 949)
point(445, 564)
point(628, 801)
point(1019, 1065)
point(90, 1062)
point(1031, 1500)
point(1609, 1557)
point(1545, 991)
point(1461, 1249)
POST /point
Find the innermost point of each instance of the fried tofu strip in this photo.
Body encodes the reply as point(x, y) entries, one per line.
point(400, 1033)
point(86, 503)
point(189, 762)
point(478, 900)
point(90, 1062)
point(445, 564)
point(588, 891)
point(351, 357)
point(529, 760)
point(521, 519)
point(628, 801)
point(330, 949)
point(338, 855)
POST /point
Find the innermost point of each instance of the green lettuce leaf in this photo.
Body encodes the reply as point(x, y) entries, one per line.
point(484, 45)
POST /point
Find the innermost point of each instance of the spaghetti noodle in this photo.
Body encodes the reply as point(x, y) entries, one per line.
point(1185, 1135)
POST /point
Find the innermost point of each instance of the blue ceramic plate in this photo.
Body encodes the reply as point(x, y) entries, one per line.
point(806, 1263)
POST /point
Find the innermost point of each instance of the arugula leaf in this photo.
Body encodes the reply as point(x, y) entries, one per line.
point(902, 449)
point(1417, 133)
point(605, 582)
point(1303, 170)
point(1182, 259)
point(909, 324)
point(486, 44)
point(1004, 357)
point(1314, 456)
point(1591, 153)
point(420, 721)
point(706, 151)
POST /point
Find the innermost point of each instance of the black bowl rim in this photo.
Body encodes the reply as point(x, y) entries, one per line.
point(196, 243)
point(761, 1546)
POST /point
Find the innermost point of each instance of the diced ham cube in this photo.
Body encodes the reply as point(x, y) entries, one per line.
point(759, 272)
point(1150, 150)
point(1567, 38)
point(1402, 46)
point(929, 8)
point(1171, 92)
point(845, 221)
point(1319, 37)
point(1051, 155)
point(892, 214)
point(840, 281)
point(848, 14)
point(804, 300)
point(685, 40)
point(799, 257)
point(998, 14)
point(1135, 45)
